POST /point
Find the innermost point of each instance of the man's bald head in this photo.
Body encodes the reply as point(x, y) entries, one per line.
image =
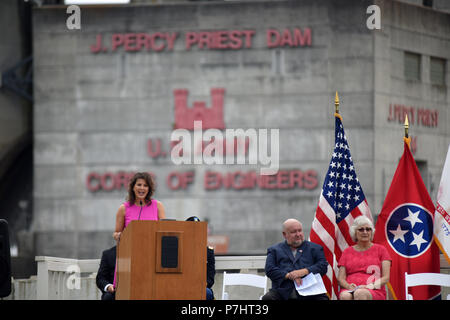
point(293, 232)
point(289, 223)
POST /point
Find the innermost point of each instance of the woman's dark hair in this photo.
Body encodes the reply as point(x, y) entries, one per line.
point(151, 187)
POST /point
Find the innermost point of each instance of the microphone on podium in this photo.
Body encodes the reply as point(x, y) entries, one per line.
point(141, 204)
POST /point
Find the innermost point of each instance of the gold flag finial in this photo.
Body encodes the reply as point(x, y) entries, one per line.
point(336, 102)
point(406, 125)
point(406, 138)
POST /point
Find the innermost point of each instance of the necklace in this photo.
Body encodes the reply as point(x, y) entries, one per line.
point(140, 203)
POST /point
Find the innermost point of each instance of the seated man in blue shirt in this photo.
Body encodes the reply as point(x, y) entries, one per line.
point(290, 261)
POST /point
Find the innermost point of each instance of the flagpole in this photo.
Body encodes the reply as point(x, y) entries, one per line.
point(407, 139)
point(334, 238)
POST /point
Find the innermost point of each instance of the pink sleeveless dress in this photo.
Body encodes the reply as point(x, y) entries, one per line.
point(133, 212)
point(147, 212)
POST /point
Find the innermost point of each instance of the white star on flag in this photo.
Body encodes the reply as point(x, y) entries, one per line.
point(399, 234)
point(418, 240)
point(413, 217)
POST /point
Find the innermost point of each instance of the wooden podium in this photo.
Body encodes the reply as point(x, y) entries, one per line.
point(162, 260)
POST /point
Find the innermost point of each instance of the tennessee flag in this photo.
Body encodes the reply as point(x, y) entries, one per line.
point(405, 228)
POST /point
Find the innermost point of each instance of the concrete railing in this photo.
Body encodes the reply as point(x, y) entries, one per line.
point(72, 279)
point(66, 279)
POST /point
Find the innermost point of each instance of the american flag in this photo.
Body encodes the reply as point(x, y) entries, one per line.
point(341, 201)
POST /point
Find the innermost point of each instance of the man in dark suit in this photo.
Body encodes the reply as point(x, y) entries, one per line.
point(105, 274)
point(290, 261)
point(210, 273)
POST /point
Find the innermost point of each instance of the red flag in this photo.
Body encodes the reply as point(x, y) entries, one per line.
point(405, 228)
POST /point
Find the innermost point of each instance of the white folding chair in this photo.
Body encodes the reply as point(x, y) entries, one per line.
point(423, 279)
point(243, 279)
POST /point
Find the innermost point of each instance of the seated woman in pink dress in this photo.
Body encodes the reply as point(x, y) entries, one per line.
point(139, 204)
point(363, 268)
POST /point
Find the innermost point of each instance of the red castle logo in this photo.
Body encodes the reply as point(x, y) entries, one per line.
point(212, 117)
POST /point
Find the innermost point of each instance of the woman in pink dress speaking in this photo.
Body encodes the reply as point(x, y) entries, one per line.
point(363, 268)
point(139, 205)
